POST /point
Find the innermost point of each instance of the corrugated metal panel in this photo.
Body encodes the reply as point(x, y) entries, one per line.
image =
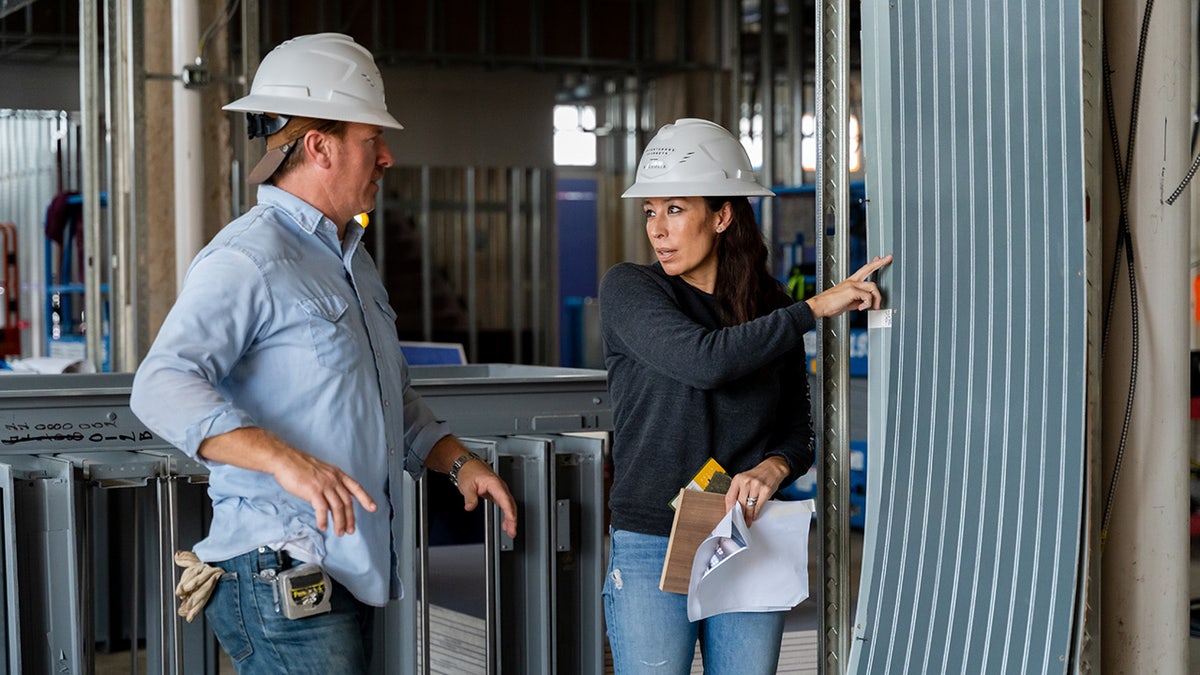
point(37, 152)
point(976, 438)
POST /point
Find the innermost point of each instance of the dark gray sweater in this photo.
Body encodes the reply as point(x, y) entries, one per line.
point(684, 389)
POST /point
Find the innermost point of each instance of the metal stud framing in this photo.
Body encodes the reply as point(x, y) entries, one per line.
point(833, 218)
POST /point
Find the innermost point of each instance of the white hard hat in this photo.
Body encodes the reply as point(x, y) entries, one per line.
point(325, 76)
point(695, 158)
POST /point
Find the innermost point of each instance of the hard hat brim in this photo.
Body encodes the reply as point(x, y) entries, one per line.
point(685, 189)
point(322, 110)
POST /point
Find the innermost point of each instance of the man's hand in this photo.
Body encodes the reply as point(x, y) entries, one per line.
point(326, 487)
point(853, 293)
point(475, 480)
point(329, 489)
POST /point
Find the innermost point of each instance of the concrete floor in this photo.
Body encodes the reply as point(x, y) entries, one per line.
point(119, 663)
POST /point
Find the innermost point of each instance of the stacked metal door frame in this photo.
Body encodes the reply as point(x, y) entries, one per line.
point(65, 437)
point(61, 439)
point(41, 487)
point(545, 431)
point(544, 586)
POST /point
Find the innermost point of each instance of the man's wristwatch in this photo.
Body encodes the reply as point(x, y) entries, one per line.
point(458, 464)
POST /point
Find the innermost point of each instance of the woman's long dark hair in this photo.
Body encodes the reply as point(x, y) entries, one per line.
point(745, 289)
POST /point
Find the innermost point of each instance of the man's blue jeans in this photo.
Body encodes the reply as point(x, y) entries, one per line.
point(648, 629)
point(261, 641)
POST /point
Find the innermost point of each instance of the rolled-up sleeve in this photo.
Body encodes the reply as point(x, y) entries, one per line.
point(176, 391)
point(422, 429)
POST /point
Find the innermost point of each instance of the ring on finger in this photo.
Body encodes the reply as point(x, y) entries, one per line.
point(751, 501)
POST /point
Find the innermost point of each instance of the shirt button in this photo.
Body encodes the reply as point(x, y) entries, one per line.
point(391, 451)
point(386, 403)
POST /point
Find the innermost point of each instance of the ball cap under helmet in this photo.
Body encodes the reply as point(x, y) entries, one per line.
point(326, 76)
point(695, 158)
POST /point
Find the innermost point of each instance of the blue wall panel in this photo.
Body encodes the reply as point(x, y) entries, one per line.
point(577, 263)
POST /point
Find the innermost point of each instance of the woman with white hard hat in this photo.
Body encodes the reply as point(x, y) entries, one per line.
point(705, 358)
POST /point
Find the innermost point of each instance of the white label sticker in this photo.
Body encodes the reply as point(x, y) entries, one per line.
point(879, 318)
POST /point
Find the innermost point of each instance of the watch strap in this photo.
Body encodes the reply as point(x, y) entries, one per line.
point(458, 464)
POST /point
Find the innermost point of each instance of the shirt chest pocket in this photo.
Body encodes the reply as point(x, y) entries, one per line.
point(389, 317)
point(333, 336)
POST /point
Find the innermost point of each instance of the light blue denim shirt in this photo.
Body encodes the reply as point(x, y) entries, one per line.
point(280, 325)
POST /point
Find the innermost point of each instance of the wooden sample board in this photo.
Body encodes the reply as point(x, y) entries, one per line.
point(696, 515)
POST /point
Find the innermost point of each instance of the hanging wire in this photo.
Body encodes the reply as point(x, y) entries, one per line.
point(1125, 240)
point(1195, 163)
point(1186, 179)
point(230, 7)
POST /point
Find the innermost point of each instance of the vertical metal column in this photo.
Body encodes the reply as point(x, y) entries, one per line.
point(136, 316)
point(172, 640)
point(251, 18)
point(422, 579)
point(492, 547)
point(632, 100)
point(472, 290)
point(89, 99)
point(426, 259)
point(119, 120)
point(729, 59)
point(578, 529)
point(537, 254)
point(833, 218)
point(397, 632)
point(1086, 649)
point(766, 87)
point(172, 647)
point(50, 625)
point(526, 616)
point(1144, 573)
point(10, 607)
point(195, 645)
point(136, 576)
point(516, 263)
point(188, 140)
point(795, 78)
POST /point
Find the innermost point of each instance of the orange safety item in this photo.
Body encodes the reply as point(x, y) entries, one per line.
point(10, 316)
point(1196, 297)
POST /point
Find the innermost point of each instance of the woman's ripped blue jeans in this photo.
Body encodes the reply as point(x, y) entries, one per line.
point(648, 629)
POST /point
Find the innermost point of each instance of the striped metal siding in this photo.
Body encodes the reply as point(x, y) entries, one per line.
point(976, 434)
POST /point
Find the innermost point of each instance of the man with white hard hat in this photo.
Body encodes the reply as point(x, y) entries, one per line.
point(279, 368)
